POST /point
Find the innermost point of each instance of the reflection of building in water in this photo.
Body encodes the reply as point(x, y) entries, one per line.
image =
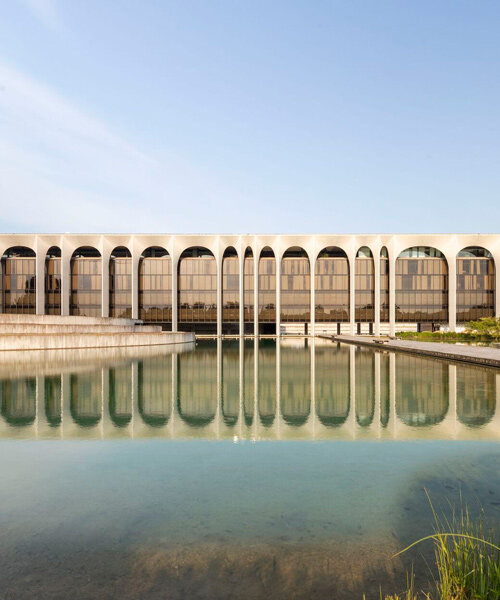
point(267, 382)
point(285, 392)
point(231, 383)
point(155, 390)
point(53, 407)
point(365, 386)
point(86, 396)
point(120, 395)
point(332, 384)
point(295, 375)
point(422, 390)
point(476, 393)
point(19, 401)
point(197, 395)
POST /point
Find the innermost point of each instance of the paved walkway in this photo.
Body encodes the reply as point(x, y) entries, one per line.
point(481, 355)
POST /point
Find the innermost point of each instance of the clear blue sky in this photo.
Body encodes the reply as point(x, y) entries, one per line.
point(353, 116)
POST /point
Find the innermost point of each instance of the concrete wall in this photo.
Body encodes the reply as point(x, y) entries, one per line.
point(448, 244)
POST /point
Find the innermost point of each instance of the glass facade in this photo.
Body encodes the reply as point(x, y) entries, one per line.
point(19, 281)
point(332, 286)
point(120, 283)
point(421, 286)
point(53, 281)
point(295, 286)
point(475, 284)
point(365, 286)
point(267, 286)
point(230, 287)
point(86, 283)
point(384, 286)
point(155, 286)
point(248, 286)
point(197, 287)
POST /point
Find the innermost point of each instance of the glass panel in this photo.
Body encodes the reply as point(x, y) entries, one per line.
point(86, 285)
point(155, 286)
point(197, 295)
point(230, 289)
point(19, 281)
point(365, 289)
point(295, 289)
point(267, 289)
point(332, 288)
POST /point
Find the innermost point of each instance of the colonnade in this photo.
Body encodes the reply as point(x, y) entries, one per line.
point(312, 245)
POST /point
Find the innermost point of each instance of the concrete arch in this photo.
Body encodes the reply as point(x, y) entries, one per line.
point(18, 293)
point(364, 287)
point(86, 270)
point(267, 290)
point(230, 291)
point(422, 286)
point(199, 290)
point(475, 284)
point(154, 284)
point(120, 282)
point(52, 281)
point(332, 282)
point(295, 286)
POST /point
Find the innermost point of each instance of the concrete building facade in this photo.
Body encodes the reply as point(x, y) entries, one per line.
point(256, 284)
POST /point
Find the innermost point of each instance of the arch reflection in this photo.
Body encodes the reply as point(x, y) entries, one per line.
point(197, 376)
point(332, 385)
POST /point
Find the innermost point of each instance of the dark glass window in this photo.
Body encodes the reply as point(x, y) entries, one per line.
point(475, 284)
point(421, 286)
point(197, 291)
point(384, 286)
point(248, 286)
point(365, 286)
point(120, 283)
point(19, 281)
point(295, 286)
point(267, 287)
point(53, 281)
point(155, 286)
point(86, 283)
point(332, 286)
point(230, 287)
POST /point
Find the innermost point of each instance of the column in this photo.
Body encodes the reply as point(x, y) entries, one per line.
point(376, 264)
point(241, 263)
point(219, 297)
point(105, 286)
point(452, 293)
point(313, 297)
point(497, 285)
point(135, 284)
point(352, 292)
point(278, 295)
point(392, 293)
point(65, 281)
point(255, 295)
point(40, 282)
point(175, 295)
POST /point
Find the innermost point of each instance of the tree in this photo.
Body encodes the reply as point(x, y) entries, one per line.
point(487, 326)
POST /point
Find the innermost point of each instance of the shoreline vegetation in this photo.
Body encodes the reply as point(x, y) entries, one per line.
point(466, 560)
point(485, 330)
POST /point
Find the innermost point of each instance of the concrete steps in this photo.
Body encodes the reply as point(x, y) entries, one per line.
point(53, 332)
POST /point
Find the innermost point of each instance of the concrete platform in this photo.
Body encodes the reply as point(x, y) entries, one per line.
point(480, 355)
point(52, 332)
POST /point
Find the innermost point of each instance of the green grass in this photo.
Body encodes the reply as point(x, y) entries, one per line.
point(467, 561)
point(443, 336)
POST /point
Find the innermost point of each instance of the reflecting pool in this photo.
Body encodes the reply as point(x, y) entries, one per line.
point(235, 469)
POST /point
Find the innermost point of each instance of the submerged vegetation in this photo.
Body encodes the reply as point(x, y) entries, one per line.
point(467, 561)
point(484, 330)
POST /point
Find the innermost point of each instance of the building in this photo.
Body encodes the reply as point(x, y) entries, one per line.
point(218, 284)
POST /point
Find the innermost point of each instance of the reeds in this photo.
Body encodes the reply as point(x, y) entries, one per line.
point(467, 560)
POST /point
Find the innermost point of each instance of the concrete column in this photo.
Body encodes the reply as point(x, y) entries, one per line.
point(313, 297)
point(376, 263)
point(175, 299)
point(352, 292)
point(278, 295)
point(392, 293)
point(255, 295)
point(241, 263)
point(452, 292)
point(40, 282)
point(219, 297)
point(135, 284)
point(497, 284)
point(105, 286)
point(65, 281)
